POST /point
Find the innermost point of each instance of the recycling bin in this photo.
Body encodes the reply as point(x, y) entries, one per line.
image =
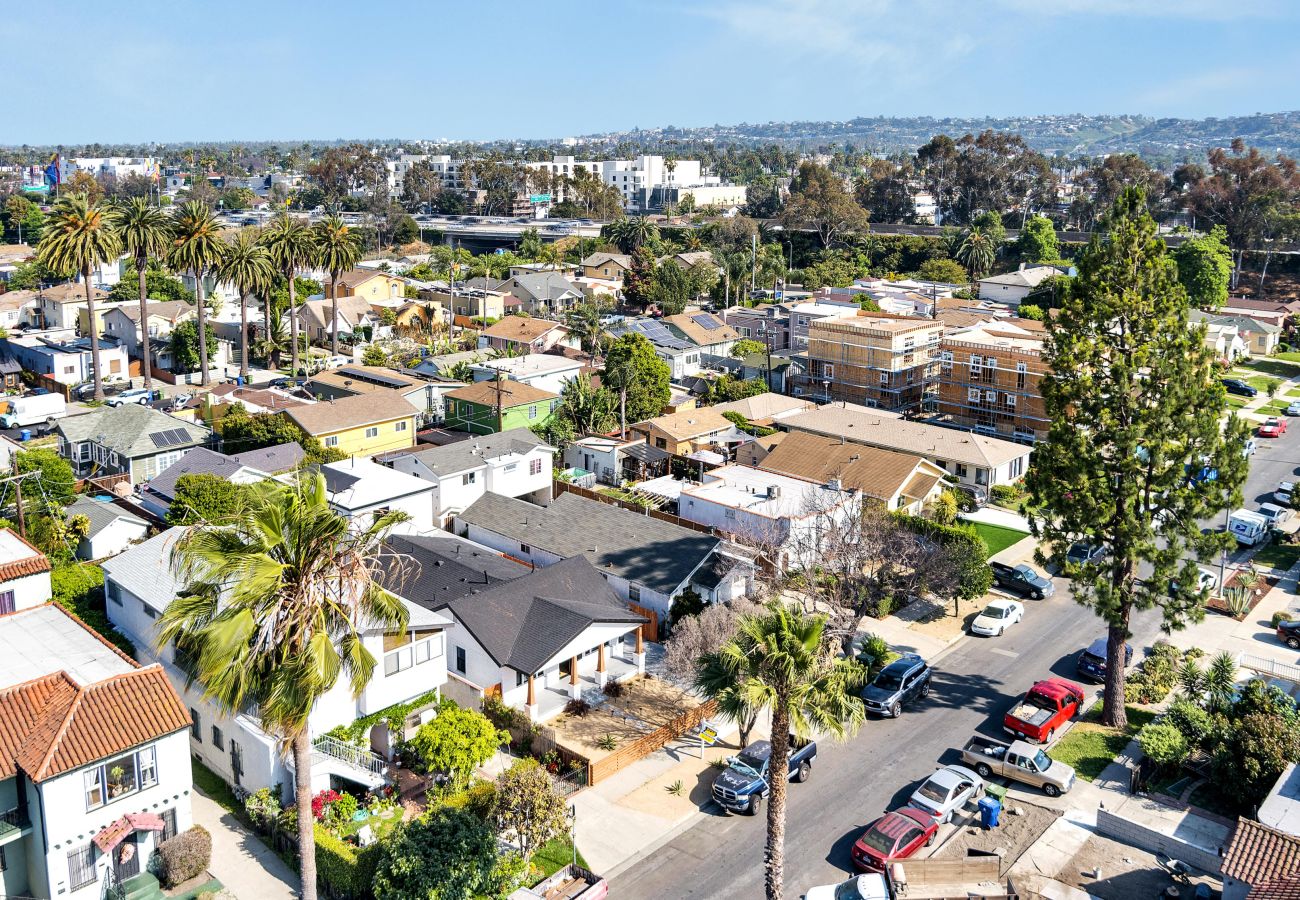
point(990, 810)
point(25, 434)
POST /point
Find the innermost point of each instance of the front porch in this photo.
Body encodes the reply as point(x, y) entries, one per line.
point(585, 676)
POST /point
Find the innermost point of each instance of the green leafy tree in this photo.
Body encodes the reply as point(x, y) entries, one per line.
point(1134, 406)
point(186, 345)
point(160, 286)
point(1038, 241)
point(456, 742)
point(374, 355)
point(207, 499)
point(528, 807)
point(246, 264)
point(78, 237)
point(724, 389)
point(783, 662)
point(292, 249)
point(446, 854)
point(945, 271)
point(23, 219)
point(587, 409)
point(631, 234)
point(405, 230)
point(196, 248)
point(745, 346)
point(583, 321)
point(57, 479)
point(237, 199)
point(1031, 311)
point(639, 376)
point(337, 251)
point(1205, 268)
point(820, 202)
point(271, 614)
point(1253, 751)
point(241, 431)
point(1163, 744)
point(146, 233)
point(530, 244)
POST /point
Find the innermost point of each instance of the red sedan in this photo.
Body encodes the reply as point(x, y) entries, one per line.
point(895, 835)
point(1273, 428)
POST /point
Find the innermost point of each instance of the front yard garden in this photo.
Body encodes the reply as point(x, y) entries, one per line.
point(1091, 746)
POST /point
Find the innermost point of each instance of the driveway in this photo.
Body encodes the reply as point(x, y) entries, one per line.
point(240, 861)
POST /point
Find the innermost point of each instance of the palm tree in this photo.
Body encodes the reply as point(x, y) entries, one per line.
point(77, 237)
point(337, 251)
point(272, 612)
point(146, 233)
point(783, 661)
point(292, 249)
point(196, 247)
point(275, 337)
point(246, 264)
point(976, 253)
point(631, 233)
point(589, 409)
point(584, 324)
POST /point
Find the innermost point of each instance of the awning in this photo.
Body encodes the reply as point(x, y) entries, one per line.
point(115, 832)
point(646, 453)
point(708, 456)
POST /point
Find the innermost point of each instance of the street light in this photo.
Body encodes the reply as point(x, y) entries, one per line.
point(573, 832)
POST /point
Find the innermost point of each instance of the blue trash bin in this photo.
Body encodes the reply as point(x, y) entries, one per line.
point(990, 810)
point(25, 434)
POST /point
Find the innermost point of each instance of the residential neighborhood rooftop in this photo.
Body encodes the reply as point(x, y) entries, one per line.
point(19, 558)
point(765, 493)
point(464, 455)
point(520, 328)
point(132, 430)
point(875, 471)
point(505, 391)
point(353, 411)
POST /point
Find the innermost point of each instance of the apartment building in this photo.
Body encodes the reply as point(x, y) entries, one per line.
point(871, 359)
point(989, 380)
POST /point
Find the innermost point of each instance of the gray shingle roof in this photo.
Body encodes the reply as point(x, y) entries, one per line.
point(127, 429)
point(445, 567)
point(100, 514)
point(643, 549)
point(146, 570)
point(280, 458)
point(465, 455)
point(543, 286)
point(199, 461)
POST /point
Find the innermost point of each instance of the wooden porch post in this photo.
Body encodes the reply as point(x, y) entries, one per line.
point(574, 690)
point(532, 691)
point(639, 656)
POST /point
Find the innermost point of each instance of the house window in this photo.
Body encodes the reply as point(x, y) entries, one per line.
point(532, 412)
point(114, 593)
point(460, 660)
point(218, 739)
point(535, 467)
point(401, 426)
point(6, 602)
point(81, 867)
point(149, 610)
point(468, 478)
point(169, 824)
point(973, 395)
point(120, 777)
point(148, 767)
point(961, 470)
point(372, 432)
point(1011, 400)
point(731, 514)
point(511, 467)
point(525, 549)
point(196, 726)
point(634, 593)
point(828, 370)
point(332, 441)
point(884, 378)
point(1021, 369)
point(991, 396)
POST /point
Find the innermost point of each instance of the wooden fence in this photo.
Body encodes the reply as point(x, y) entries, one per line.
point(648, 743)
point(564, 487)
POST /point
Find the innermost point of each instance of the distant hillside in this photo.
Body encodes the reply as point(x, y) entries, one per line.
point(1062, 134)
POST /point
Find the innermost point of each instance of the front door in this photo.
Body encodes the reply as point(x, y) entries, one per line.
point(126, 859)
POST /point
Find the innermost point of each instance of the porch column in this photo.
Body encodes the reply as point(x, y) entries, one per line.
point(601, 677)
point(639, 656)
point(532, 699)
point(574, 691)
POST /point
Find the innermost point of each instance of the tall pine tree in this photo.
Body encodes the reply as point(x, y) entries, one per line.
point(1136, 430)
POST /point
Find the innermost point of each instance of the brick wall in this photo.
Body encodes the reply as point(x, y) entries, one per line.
point(1130, 832)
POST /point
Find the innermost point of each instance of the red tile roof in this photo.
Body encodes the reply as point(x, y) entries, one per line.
point(21, 707)
point(1282, 889)
point(27, 565)
point(1261, 854)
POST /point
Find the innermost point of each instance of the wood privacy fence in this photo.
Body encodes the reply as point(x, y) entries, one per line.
point(564, 487)
point(648, 743)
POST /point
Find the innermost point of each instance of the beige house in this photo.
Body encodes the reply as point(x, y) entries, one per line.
point(371, 285)
point(612, 266)
point(685, 432)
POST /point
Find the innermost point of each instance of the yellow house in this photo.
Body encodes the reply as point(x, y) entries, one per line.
point(361, 425)
point(370, 284)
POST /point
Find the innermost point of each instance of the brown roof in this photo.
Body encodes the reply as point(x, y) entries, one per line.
point(697, 333)
point(1258, 853)
point(513, 393)
point(337, 377)
point(1283, 306)
point(21, 707)
point(171, 310)
point(79, 725)
point(357, 277)
point(1282, 889)
point(24, 565)
point(877, 473)
point(71, 292)
point(690, 423)
point(960, 318)
point(520, 328)
point(351, 412)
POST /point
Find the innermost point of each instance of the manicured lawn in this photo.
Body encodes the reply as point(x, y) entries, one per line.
point(1277, 406)
point(555, 855)
point(1278, 556)
point(212, 784)
point(1090, 746)
point(1235, 402)
point(996, 537)
point(1290, 356)
point(1284, 365)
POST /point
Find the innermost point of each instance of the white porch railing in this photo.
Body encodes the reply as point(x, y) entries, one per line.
point(1266, 666)
point(356, 757)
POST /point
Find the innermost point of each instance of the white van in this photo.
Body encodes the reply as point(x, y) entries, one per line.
point(17, 412)
point(1249, 528)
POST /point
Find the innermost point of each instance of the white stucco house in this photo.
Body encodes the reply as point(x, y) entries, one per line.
point(112, 528)
point(24, 574)
point(361, 489)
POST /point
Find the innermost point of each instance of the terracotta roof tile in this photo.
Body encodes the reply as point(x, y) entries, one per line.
point(22, 706)
point(27, 565)
point(1261, 854)
point(1282, 889)
point(519, 328)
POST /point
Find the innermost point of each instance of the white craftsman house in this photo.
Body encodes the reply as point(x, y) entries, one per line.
point(513, 463)
point(362, 490)
point(24, 574)
point(535, 638)
point(412, 666)
point(94, 760)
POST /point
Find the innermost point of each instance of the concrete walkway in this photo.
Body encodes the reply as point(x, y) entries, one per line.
point(240, 861)
point(993, 515)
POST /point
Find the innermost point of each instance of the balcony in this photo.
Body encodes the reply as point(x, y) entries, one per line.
point(14, 823)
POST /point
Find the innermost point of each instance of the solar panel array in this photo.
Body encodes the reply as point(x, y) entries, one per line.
point(704, 320)
point(172, 437)
point(658, 333)
point(373, 377)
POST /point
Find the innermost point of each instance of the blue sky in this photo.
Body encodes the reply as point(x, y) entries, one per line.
point(280, 69)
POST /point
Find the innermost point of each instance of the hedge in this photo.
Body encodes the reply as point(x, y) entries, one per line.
point(185, 856)
point(343, 867)
point(79, 588)
point(963, 543)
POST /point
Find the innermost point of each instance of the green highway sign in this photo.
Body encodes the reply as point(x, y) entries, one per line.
point(539, 198)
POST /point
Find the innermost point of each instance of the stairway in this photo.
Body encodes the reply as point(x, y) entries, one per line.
point(143, 887)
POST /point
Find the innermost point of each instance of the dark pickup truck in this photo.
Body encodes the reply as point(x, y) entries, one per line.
point(744, 783)
point(1022, 580)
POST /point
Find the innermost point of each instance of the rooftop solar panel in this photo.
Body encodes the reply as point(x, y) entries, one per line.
point(373, 377)
point(704, 320)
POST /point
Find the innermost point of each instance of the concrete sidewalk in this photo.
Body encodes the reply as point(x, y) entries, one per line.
point(240, 861)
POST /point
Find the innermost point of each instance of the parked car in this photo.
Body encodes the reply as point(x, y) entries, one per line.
point(895, 835)
point(1205, 581)
point(1092, 660)
point(898, 684)
point(1045, 709)
point(1276, 514)
point(742, 786)
point(135, 395)
point(1250, 447)
point(978, 495)
point(1022, 580)
point(870, 886)
point(1289, 633)
point(1018, 761)
point(1293, 408)
point(1081, 552)
point(1285, 489)
point(1238, 387)
point(1272, 428)
point(947, 790)
point(997, 617)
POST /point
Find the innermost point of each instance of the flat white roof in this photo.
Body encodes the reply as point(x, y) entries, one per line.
point(531, 364)
point(12, 548)
point(743, 487)
point(360, 483)
point(43, 640)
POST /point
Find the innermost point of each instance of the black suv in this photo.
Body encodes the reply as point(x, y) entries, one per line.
point(898, 684)
point(1239, 387)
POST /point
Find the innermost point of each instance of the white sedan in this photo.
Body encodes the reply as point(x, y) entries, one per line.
point(947, 790)
point(861, 887)
point(997, 617)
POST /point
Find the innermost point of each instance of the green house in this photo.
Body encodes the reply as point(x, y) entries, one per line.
point(491, 406)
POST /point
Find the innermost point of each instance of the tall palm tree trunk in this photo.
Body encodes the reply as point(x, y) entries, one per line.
point(334, 314)
point(272, 355)
point(293, 328)
point(141, 263)
point(204, 378)
point(306, 824)
point(94, 334)
point(778, 767)
point(243, 336)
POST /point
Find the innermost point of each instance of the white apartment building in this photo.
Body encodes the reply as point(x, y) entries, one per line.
point(108, 166)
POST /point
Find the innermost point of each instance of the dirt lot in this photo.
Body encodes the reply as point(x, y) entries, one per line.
point(646, 704)
point(1126, 872)
point(1011, 838)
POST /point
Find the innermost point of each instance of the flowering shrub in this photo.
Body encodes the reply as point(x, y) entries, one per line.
point(321, 803)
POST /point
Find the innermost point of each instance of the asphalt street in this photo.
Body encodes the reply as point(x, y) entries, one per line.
point(854, 782)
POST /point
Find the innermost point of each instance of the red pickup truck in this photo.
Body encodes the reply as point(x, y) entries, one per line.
point(1048, 706)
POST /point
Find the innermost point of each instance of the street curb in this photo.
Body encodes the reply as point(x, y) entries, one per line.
point(663, 840)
